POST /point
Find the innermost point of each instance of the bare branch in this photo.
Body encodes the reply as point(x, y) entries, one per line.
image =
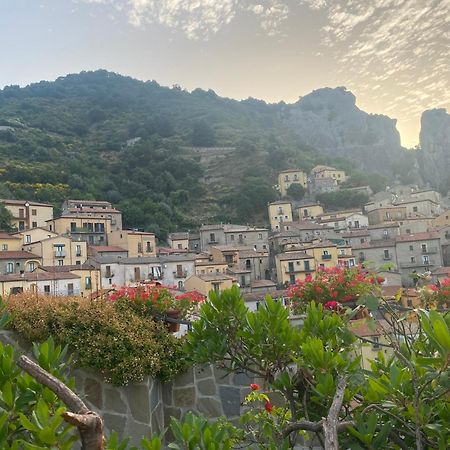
point(331, 423)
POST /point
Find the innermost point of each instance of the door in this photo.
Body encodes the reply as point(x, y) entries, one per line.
point(137, 274)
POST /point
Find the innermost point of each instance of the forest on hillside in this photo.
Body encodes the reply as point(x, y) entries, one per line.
point(76, 138)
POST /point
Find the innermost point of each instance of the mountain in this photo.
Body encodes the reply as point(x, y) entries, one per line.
point(329, 120)
point(170, 159)
point(435, 147)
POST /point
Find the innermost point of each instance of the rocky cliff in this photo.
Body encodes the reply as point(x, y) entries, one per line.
point(435, 145)
point(329, 120)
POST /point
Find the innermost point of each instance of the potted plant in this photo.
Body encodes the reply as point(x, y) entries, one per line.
point(334, 288)
point(155, 300)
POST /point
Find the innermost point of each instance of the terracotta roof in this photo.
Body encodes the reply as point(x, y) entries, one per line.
point(292, 170)
point(417, 237)
point(280, 202)
point(39, 276)
point(179, 235)
point(390, 291)
point(318, 169)
point(262, 283)
point(307, 225)
point(107, 248)
point(169, 250)
point(355, 233)
point(214, 277)
point(4, 235)
point(261, 295)
point(68, 268)
point(361, 328)
point(210, 263)
point(334, 219)
point(22, 203)
point(18, 255)
point(384, 225)
point(442, 271)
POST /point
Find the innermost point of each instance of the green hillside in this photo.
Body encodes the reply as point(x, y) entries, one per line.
point(68, 139)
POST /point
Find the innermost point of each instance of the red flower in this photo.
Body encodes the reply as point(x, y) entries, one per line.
point(318, 289)
point(331, 305)
point(268, 406)
point(254, 387)
point(380, 280)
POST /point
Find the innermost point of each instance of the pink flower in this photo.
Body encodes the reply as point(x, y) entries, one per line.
point(332, 305)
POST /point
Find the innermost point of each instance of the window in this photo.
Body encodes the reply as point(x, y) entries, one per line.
point(34, 212)
point(426, 259)
point(216, 287)
point(78, 250)
point(292, 279)
point(415, 208)
point(231, 237)
point(27, 239)
point(243, 280)
point(139, 247)
point(376, 342)
point(280, 210)
point(179, 246)
point(107, 271)
point(31, 266)
point(33, 224)
point(73, 227)
point(10, 267)
point(408, 231)
point(241, 238)
point(180, 285)
point(291, 267)
point(260, 236)
point(385, 232)
point(21, 225)
point(295, 177)
point(307, 266)
point(411, 248)
point(264, 247)
point(21, 213)
point(386, 254)
point(47, 289)
point(248, 264)
point(70, 289)
point(60, 262)
point(212, 238)
point(286, 178)
point(413, 259)
point(362, 241)
point(5, 247)
point(424, 248)
point(78, 262)
point(356, 223)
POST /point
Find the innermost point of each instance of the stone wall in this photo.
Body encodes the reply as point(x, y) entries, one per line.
point(142, 408)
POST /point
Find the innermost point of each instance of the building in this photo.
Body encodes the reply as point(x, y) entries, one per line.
point(292, 266)
point(328, 172)
point(279, 213)
point(18, 262)
point(386, 214)
point(205, 267)
point(137, 243)
point(209, 282)
point(321, 185)
point(309, 211)
point(59, 251)
point(93, 208)
point(117, 271)
point(338, 223)
point(420, 252)
point(441, 220)
point(383, 231)
point(107, 250)
point(93, 229)
point(357, 220)
point(425, 207)
point(89, 277)
point(291, 176)
point(34, 235)
point(178, 241)
point(325, 254)
point(356, 237)
point(346, 257)
point(415, 225)
point(27, 214)
point(376, 253)
point(10, 242)
point(229, 234)
point(176, 269)
point(57, 284)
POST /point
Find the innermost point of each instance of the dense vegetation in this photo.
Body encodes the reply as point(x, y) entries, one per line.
point(99, 135)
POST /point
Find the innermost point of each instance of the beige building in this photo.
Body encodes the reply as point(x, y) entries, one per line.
point(415, 225)
point(178, 241)
point(93, 209)
point(59, 251)
point(279, 212)
point(309, 211)
point(10, 242)
point(324, 253)
point(208, 267)
point(329, 172)
point(138, 243)
point(91, 229)
point(34, 235)
point(424, 207)
point(27, 214)
point(386, 214)
point(292, 266)
point(292, 176)
point(18, 262)
point(442, 220)
point(209, 282)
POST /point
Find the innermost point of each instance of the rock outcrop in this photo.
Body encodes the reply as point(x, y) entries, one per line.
point(329, 120)
point(435, 147)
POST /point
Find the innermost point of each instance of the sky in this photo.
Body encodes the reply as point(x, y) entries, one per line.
point(394, 55)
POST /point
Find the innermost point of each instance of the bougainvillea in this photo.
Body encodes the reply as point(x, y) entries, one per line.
point(332, 287)
point(436, 295)
point(152, 298)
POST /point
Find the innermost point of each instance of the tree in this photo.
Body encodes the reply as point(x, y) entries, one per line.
point(202, 135)
point(296, 191)
point(6, 219)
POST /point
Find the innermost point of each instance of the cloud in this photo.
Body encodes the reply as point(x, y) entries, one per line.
point(199, 19)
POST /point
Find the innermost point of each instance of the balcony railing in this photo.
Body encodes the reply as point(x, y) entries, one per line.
point(429, 250)
point(408, 265)
point(60, 253)
point(326, 257)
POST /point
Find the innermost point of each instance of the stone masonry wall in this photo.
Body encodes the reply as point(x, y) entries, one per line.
point(142, 408)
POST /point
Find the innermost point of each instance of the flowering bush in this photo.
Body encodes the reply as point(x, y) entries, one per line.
point(334, 286)
point(436, 296)
point(150, 299)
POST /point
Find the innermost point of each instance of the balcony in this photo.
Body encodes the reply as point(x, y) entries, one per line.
point(412, 265)
point(182, 274)
point(429, 250)
point(326, 257)
point(387, 257)
point(60, 254)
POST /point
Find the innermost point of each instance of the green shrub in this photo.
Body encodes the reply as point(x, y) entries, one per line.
point(110, 339)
